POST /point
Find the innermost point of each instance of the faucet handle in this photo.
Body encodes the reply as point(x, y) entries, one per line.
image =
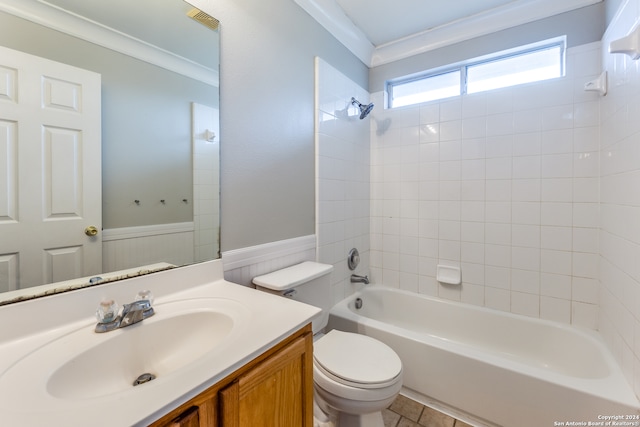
point(145, 295)
point(107, 311)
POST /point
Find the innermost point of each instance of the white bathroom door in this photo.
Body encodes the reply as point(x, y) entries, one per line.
point(50, 171)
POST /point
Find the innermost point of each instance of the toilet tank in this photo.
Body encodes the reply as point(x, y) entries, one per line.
point(308, 282)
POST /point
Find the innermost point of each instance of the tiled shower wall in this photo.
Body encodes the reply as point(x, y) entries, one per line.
point(620, 200)
point(342, 176)
point(504, 185)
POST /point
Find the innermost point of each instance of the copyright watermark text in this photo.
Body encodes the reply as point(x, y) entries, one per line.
point(603, 420)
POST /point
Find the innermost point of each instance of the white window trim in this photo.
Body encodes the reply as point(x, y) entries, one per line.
point(463, 65)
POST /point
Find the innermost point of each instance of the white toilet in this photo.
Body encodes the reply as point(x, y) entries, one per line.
point(355, 376)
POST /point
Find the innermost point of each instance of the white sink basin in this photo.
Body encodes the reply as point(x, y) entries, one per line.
point(86, 365)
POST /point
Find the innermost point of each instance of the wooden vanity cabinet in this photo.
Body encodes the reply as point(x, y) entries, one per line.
point(273, 390)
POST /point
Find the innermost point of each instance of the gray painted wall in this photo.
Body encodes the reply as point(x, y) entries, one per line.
point(267, 116)
point(612, 7)
point(581, 26)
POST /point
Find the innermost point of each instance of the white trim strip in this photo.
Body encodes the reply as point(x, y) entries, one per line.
point(334, 20)
point(94, 32)
point(501, 18)
point(122, 233)
point(238, 258)
point(623, 22)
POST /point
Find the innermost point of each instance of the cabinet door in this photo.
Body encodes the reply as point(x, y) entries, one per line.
point(276, 393)
point(189, 418)
point(198, 412)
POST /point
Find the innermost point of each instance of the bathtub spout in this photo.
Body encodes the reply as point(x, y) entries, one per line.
point(359, 279)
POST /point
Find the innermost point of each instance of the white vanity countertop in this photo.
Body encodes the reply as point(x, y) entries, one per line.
point(25, 399)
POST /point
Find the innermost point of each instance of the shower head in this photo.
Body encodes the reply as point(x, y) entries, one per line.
point(364, 109)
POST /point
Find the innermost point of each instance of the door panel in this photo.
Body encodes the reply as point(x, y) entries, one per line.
point(60, 262)
point(8, 272)
point(8, 172)
point(50, 171)
point(62, 183)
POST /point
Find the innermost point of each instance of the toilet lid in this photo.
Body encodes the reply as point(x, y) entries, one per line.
point(357, 359)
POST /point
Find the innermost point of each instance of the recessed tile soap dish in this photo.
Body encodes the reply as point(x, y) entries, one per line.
point(598, 85)
point(448, 275)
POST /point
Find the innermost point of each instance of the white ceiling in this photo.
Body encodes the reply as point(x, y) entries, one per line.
point(383, 31)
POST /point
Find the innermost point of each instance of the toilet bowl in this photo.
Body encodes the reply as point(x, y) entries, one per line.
point(355, 376)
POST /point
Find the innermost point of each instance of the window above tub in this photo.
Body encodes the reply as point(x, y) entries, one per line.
point(524, 64)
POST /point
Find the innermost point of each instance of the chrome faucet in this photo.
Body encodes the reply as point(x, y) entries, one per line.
point(135, 312)
point(132, 313)
point(359, 279)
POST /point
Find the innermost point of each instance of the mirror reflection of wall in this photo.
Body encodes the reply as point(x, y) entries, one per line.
point(147, 140)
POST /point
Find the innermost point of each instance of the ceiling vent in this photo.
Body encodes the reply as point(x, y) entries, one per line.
point(204, 18)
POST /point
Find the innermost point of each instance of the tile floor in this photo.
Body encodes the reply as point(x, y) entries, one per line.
point(404, 412)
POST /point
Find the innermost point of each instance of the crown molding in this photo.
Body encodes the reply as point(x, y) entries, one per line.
point(334, 20)
point(508, 16)
point(58, 19)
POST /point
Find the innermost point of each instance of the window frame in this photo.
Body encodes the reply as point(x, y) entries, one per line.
point(557, 42)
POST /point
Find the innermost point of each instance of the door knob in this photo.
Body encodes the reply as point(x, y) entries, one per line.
point(91, 231)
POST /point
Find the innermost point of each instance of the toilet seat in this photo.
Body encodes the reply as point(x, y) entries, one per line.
point(356, 360)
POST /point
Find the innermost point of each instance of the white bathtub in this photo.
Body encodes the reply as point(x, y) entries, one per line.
point(500, 368)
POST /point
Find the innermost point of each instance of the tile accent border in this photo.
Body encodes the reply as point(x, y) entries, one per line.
point(241, 265)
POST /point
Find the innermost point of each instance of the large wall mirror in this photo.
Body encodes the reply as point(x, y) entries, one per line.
point(155, 117)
